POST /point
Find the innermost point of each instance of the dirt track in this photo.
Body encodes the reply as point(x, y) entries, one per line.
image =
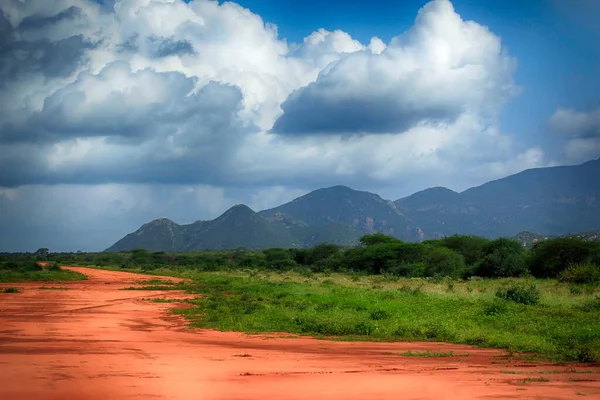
point(95, 342)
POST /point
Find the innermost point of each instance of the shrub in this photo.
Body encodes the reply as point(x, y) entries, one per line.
point(10, 290)
point(379, 314)
point(53, 266)
point(495, 307)
point(502, 258)
point(322, 252)
point(548, 258)
point(519, 294)
point(585, 272)
point(441, 261)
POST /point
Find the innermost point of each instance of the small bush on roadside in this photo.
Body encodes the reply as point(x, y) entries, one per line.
point(584, 272)
point(519, 294)
point(53, 266)
point(10, 290)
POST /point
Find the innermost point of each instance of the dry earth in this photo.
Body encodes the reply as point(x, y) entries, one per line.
point(89, 340)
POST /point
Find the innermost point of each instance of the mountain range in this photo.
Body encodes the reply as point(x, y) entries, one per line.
point(548, 201)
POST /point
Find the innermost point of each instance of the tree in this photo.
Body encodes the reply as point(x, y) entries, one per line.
point(470, 247)
point(550, 257)
point(41, 254)
point(377, 238)
point(441, 261)
point(502, 258)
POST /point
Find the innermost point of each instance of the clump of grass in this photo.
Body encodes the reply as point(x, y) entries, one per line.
point(429, 353)
point(379, 314)
point(155, 282)
point(10, 290)
point(592, 305)
point(531, 380)
point(243, 355)
point(520, 294)
point(575, 290)
point(153, 287)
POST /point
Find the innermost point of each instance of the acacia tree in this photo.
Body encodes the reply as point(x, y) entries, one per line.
point(41, 254)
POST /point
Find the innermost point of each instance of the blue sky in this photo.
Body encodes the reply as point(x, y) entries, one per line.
point(117, 112)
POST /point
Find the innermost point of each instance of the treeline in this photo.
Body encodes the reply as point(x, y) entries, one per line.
point(458, 257)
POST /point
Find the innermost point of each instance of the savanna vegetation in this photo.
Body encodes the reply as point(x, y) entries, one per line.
point(461, 289)
point(22, 270)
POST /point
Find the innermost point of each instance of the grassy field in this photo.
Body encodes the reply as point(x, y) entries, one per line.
point(563, 324)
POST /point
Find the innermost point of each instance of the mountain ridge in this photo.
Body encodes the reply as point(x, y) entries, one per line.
point(550, 201)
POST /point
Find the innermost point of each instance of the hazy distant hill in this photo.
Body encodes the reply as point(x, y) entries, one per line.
point(363, 212)
point(548, 201)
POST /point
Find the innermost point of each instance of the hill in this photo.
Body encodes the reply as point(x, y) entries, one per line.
point(237, 227)
point(550, 201)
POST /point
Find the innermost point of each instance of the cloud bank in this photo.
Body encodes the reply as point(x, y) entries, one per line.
point(166, 95)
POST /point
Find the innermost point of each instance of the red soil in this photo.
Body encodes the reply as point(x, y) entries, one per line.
point(95, 342)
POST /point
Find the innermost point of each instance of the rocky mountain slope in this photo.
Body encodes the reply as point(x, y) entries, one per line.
point(548, 201)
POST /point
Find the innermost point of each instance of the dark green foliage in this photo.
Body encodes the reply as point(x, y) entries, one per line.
point(378, 254)
point(18, 271)
point(501, 258)
point(550, 257)
point(53, 266)
point(470, 247)
point(10, 290)
point(519, 294)
point(23, 266)
point(377, 238)
point(441, 261)
point(279, 259)
point(580, 273)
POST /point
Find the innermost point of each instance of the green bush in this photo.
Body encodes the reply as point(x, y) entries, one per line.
point(519, 294)
point(53, 266)
point(441, 261)
point(502, 258)
point(549, 257)
point(20, 266)
point(585, 272)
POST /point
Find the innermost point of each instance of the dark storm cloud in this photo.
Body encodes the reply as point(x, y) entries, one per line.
point(312, 110)
point(36, 21)
point(362, 94)
point(52, 59)
point(184, 139)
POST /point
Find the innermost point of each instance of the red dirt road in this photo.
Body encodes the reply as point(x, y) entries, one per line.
point(93, 341)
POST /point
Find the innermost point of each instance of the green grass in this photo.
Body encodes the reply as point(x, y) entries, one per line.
point(154, 287)
point(10, 290)
point(40, 276)
point(532, 380)
point(432, 354)
point(562, 326)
